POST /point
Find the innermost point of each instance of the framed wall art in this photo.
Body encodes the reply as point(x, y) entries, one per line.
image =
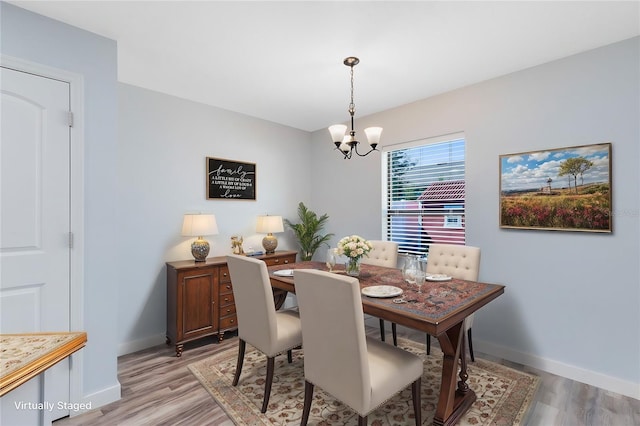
point(564, 189)
point(230, 180)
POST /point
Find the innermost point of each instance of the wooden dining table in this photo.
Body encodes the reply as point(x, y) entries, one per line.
point(439, 310)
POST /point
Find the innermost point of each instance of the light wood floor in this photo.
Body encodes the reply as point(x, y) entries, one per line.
point(158, 389)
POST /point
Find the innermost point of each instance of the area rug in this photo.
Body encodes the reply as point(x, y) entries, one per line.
point(503, 394)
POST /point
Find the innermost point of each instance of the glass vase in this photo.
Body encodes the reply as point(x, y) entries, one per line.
point(353, 267)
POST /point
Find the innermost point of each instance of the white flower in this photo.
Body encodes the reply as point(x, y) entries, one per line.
point(353, 247)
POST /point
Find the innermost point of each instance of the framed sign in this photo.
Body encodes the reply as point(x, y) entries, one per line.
point(230, 180)
point(566, 189)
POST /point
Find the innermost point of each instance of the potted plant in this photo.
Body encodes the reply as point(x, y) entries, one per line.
point(308, 231)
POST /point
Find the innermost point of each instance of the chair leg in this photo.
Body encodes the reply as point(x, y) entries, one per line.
point(382, 330)
point(308, 397)
point(416, 388)
point(395, 334)
point(241, 348)
point(428, 344)
point(362, 420)
point(473, 359)
point(267, 385)
point(289, 356)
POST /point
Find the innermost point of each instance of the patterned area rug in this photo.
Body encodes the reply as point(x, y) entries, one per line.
point(504, 395)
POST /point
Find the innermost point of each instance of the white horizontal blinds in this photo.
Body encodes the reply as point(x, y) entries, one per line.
point(425, 195)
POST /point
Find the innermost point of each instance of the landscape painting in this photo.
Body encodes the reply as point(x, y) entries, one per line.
point(567, 189)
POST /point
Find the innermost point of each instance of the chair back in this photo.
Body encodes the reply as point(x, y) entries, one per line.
point(461, 262)
point(333, 335)
point(384, 253)
point(254, 302)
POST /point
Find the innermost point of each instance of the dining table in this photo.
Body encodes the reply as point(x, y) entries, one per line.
point(439, 309)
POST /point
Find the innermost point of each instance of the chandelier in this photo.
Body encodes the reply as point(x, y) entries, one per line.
point(347, 143)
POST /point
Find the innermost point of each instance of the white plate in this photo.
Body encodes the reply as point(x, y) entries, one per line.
point(382, 291)
point(438, 277)
point(284, 273)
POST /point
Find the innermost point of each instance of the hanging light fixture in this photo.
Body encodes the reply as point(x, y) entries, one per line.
point(347, 143)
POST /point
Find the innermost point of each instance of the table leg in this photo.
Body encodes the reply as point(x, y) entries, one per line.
point(279, 297)
point(453, 403)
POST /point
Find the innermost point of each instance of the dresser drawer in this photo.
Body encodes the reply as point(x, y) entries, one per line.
point(282, 260)
point(228, 322)
point(227, 310)
point(224, 276)
point(226, 288)
point(226, 299)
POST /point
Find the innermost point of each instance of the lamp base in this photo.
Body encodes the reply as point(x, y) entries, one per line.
point(269, 243)
point(200, 249)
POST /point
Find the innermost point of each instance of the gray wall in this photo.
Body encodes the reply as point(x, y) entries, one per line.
point(41, 40)
point(162, 145)
point(572, 301)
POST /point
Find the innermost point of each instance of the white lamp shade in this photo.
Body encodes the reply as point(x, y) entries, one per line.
point(344, 146)
point(373, 135)
point(337, 132)
point(269, 224)
point(197, 225)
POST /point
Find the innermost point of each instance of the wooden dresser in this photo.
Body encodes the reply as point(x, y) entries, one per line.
point(200, 297)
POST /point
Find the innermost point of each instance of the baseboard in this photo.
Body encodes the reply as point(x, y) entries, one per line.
point(96, 400)
point(140, 344)
point(578, 374)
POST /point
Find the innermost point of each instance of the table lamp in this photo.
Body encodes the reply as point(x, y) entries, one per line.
point(197, 225)
point(268, 225)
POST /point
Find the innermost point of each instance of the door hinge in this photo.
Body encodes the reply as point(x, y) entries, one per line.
point(70, 118)
point(70, 239)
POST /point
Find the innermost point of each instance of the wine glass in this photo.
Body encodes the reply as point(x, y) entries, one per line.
point(409, 269)
point(419, 278)
point(331, 259)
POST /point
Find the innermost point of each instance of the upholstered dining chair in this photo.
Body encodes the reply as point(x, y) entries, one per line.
point(259, 324)
point(384, 253)
point(358, 370)
point(461, 262)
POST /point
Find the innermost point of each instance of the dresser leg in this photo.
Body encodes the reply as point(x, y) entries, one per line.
point(179, 350)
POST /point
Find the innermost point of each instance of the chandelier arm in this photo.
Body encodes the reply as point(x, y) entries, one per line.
point(355, 148)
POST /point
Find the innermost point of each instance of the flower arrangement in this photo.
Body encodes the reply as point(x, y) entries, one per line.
point(354, 248)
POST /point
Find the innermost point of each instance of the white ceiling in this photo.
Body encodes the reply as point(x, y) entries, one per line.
point(282, 61)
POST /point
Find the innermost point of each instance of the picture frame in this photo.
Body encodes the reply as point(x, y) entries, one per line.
point(561, 189)
point(230, 180)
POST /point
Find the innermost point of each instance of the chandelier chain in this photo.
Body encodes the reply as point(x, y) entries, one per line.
point(352, 106)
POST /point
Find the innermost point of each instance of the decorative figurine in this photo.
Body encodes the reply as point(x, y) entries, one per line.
point(236, 244)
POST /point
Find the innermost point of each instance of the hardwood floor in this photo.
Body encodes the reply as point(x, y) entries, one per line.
point(158, 389)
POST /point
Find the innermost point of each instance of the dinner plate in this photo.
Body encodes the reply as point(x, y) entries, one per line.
point(437, 277)
point(382, 291)
point(284, 273)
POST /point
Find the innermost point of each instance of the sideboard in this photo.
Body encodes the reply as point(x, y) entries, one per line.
point(200, 298)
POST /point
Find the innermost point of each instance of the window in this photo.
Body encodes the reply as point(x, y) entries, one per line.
point(453, 218)
point(425, 193)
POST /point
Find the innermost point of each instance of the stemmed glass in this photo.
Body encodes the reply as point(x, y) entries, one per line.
point(420, 277)
point(331, 259)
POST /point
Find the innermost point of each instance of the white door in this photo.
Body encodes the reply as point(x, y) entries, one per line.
point(34, 230)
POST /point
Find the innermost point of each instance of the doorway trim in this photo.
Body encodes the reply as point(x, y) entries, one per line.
point(76, 207)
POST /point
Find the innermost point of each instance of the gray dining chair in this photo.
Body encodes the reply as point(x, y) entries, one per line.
point(356, 369)
point(259, 324)
point(384, 253)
